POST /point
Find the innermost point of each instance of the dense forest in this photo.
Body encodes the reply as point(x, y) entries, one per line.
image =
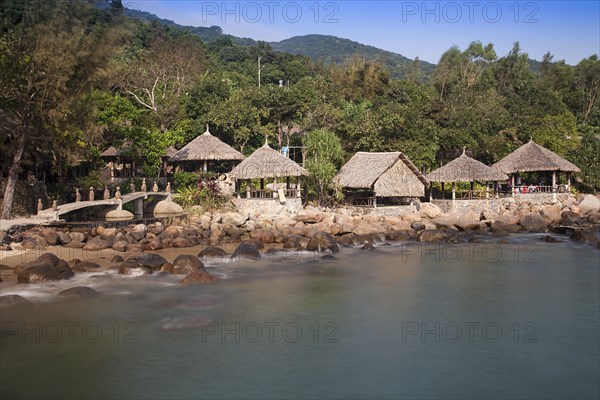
point(77, 78)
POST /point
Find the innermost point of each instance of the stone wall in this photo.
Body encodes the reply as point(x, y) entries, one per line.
point(26, 197)
point(391, 211)
point(497, 204)
point(267, 206)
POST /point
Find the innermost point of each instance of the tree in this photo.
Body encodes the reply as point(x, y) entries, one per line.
point(50, 54)
point(324, 156)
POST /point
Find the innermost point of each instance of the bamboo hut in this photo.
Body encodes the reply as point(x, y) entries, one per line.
point(204, 149)
point(266, 163)
point(392, 177)
point(465, 169)
point(531, 157)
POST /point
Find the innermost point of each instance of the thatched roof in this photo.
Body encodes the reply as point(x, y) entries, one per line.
point(170, 152)
point(387, 174)
point(267, 163)
point(111, 152)
point(114, 152)
point(466, 169)
point(207, 147)
point(532, 157)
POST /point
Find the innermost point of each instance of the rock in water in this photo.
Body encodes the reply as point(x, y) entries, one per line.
point(153, 262)
point(322, 241)
point(46, 272)
point(13, 300)
point(213, 251)
point(79, 292)
point(246, 251)
point(199, 278)
point(185, 264)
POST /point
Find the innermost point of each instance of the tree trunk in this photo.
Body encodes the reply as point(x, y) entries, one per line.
point(11, 183)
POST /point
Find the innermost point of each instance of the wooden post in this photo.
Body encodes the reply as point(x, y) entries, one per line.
point(471, 194)
point(453, 196)
point(443, 191)
point(430, 192)
point(569, 179)
point(512, 188)
point(374, 200)
point(298, 188)
point(205, 166)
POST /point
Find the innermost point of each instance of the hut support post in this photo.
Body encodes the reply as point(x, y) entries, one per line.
point(443, 191)
point(430, 192)
point(569, 179)
point(453, 195)
point(471, 193)
point(374, 201)
point(512, 185)
point(554, 185)
point(205, 166)
point(247, 189)
point(298, 189)
point(275, 193)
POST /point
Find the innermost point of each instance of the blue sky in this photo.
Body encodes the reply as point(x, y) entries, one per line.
point(568, 29)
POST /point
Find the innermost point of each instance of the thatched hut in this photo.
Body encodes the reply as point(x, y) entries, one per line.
point(389, 176)
point(266, 163)
point(204, 149)
point(531, 157)
point(121, 162)
point(465, 169)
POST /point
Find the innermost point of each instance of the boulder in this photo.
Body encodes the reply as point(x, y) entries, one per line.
point(199, 277)
point(594, 217)
point(533, 222)
point(185, 264)
point(132, 268)
point(366, 228)
point(152, 245)
point(295, 242)
point(97, 244)
point(512, 228)
point(256, 242)
point(13, 300)
point(74, 245)
point(51, 236)
point(135, 248)
point(120, 246)
point(167, 208)
point(589, 203)
point(182, 242)
point(551, 213)
point(77, 236)
point(116, 259)
point(432, 236)
point(247, 251)
point(233, 219)
point(87, 265)
point(581, 236)
point(500, 233)
point(417, 226)
point(308, 216)
point(367, 246)
point(212, 251)
point(46, 272)
point(44, 259)
point(322, 241)
point(79, 292)
point(430, 210)
point(265, 236)
point(153, 262)
point(119, 215)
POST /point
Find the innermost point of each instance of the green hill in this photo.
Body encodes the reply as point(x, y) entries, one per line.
point(337, 50)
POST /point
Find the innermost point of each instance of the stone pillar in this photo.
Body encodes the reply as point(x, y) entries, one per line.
point(554, 185)
point(40, 206)
point(106, 193)
point(144, 185)
point(118, 193)
point(168, 188)
point(155, 187)
point(77, 195)
point(54, 205)
point(139, 207)
point(92, 194)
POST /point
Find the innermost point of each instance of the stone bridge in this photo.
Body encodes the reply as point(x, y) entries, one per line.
point(103, 206)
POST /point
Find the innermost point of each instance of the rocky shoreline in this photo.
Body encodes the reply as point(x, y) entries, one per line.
point(311, 229)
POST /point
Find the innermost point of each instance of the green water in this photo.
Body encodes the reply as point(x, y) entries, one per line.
point(481, 321)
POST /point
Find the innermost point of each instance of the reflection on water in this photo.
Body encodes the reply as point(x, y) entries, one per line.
point(399, 322)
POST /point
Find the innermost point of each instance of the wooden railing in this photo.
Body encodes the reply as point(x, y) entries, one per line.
point(267, 194)
point(360, 201)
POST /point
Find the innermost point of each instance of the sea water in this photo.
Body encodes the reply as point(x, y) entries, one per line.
point(403, 321)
